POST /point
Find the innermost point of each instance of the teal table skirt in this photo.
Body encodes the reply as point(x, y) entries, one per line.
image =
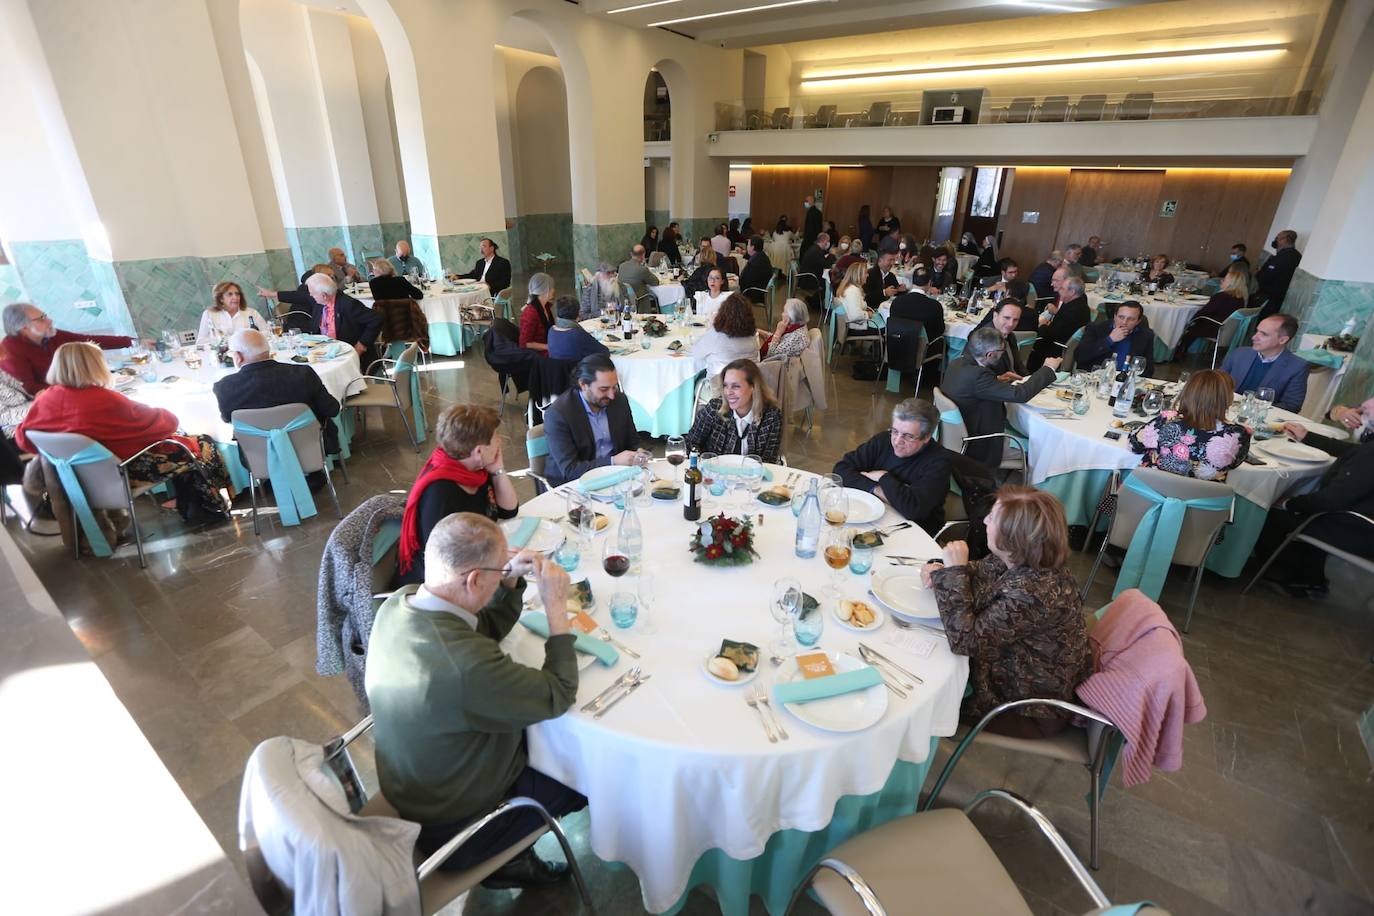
point(673, 417)
point(789, 854)
point(446, 338)
point(1080, 492)
point(238, 474)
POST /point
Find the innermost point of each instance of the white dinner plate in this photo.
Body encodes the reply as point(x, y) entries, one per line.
point(744, 678)
point(900, 590)
point(864, 508)
point(1289, 450)
point(1048, 400)
point(849, 712)
point(878, 619)
point(605, 494)
point(545, 539)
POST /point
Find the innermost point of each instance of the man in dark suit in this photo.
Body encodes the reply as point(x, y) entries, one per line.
point(881, 283)
point(811, 222)
point(1006, 318)
point(1120, 338)
point(491, 269)
point(590, 424)
point(332, 313)
point(815, 261)
point(1276, 273)
point(972, 384)
point(917, 306)
point(757, 272)
point(1269, 364)
point(1043, 273)
point(263, 382)
point(1059, 320)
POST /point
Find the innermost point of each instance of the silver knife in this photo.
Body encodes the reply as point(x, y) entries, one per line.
point(881, 657)
point(884, 667)
point(634, 685)
point(617, 683)
point(894, 528)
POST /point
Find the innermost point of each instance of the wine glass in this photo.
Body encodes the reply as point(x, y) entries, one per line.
point(614, 558)
point(837, 552)
point(1153, 402)
point(754, 481)
point(787, 600)
point(835, 506)
point(1138, 366)
point(676, 453)
point(1264, 399)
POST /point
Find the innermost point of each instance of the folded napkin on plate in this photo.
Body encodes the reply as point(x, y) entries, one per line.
point(315, 338)
point(536, 622)
point(607, 480)
point(333, 350)
point(1061, 377)
point(832, 685)
point(523, 532)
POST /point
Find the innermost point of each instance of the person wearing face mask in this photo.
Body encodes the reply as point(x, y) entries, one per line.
point(855, 252)
point(1120, 338)
point(969, 245)
point(1236, 259)
point(1276, 273)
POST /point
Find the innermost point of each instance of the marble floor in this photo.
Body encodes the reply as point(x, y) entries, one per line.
point(212, 649)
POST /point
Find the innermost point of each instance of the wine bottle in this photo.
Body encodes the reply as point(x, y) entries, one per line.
point(1120, 400)
point(691, 510)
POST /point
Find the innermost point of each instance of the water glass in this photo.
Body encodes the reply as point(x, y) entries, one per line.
point(1152, 403)
point(569, 553)
point(798, 498)
point(624, 609)
point(808, 625)
point(1082, 401)
point(860, 558)
point(644, 341)
point(1264, 399)
point(787, 598)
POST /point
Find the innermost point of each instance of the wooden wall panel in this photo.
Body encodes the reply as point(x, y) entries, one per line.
point(1115, 204)
point(1245, 213)
point(1039, 189)
point(850, 189)
point(914, 189)
point(1188, 232)
point(776, 189)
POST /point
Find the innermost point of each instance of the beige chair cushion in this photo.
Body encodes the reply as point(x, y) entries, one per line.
point(930, 863)
point(372, 396)
point(1070, 745)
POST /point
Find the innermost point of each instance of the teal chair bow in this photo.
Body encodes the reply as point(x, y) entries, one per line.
point(66, 472)
point(1156, 536)
point(294, 501)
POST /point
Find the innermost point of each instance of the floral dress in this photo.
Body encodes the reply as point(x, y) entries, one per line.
point(1169, 444)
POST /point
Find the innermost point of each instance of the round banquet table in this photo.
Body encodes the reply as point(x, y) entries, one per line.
point(670, 292)
point(190, 395)
point(682, 783)
point(1167, 319)
point(443, 308)
point(661, 386)
point(1072, 458)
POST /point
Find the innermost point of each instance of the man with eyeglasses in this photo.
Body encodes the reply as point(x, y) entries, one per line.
point(31, 339)
point(902, 466)
point(450, 708)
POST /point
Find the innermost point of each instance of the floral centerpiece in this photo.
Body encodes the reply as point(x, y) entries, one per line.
point(724, 541)
point(1342, 343)
point(654, 327)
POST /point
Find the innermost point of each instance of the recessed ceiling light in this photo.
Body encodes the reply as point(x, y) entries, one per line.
point(747, 9)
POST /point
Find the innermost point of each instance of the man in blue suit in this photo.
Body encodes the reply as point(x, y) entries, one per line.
point(1268, 364)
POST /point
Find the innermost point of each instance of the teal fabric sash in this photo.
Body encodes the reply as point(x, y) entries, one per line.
point(1322, 357)
point(537, 448)
point(417, 404)
point(66, 472)
point(948, 416)
point(294, 501)
point(1152, 546)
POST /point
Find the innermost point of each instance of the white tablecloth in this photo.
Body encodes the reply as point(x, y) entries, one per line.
point(1167, 319)
point(1061, 446)
point(683, 766)
point(668, 293)
point(649, 376)
point(192, 398)
point(445, 306)
point(1184, 279)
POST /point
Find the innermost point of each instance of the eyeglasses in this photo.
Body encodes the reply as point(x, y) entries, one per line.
point(504, 571)
point(41, 316)
point(908, 438)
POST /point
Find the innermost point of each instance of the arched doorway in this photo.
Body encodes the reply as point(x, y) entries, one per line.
point(540, 163)
point(658, 134)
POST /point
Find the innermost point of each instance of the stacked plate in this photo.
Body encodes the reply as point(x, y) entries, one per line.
point(900, 590)
point(1296, 452)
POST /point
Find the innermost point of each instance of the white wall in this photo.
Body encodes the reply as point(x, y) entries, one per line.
point(383, 157)
point(541, 124)
point(742, 179)
point(336, 85)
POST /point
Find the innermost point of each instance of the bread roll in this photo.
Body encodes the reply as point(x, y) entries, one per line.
point(723, 668)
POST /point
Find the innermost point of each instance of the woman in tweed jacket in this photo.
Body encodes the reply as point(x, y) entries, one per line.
point(1016, 614)
point(745, 420)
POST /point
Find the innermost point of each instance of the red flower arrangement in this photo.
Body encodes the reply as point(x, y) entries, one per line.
point(724, 541)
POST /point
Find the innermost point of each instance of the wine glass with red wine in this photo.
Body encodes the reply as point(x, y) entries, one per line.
point(676, 453)
point(614, 560)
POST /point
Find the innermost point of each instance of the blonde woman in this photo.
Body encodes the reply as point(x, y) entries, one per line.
point(744, 420)
point(80, 398)
point(1234, 293)
point(849, 298)
point(228, 314)
point(384, 283)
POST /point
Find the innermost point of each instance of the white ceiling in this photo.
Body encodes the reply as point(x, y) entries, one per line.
point(516, 33)
point(826, 18)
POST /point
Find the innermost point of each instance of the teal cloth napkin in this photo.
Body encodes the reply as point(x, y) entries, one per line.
point(522, 534)
point(831, 686)
point(1061, 377)
point(1322, 357)
point(314, 338)
point(536, 622)
point(608, 480)
point(333, 350)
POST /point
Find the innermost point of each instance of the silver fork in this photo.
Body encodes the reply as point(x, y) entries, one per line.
point(768, 705)
point(763, 717)
point(619, 682)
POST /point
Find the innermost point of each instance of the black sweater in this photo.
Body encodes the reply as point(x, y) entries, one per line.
point(441, 499)
point(914, 486)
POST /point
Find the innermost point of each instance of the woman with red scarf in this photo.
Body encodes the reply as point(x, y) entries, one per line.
point(464, 474)
point(791, 337)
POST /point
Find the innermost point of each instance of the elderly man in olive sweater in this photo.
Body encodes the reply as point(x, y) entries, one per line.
point(450, 708)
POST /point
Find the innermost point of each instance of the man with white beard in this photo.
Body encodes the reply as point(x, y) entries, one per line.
point(605, 287)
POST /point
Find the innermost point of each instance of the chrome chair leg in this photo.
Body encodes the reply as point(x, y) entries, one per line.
point(253, 498)
point(329, 479)
point(1092, 574)
point(1192, 595)
point(133, 518)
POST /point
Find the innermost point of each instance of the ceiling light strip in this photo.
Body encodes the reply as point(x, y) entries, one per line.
point(747, 9)
point(1044, 62)
point(640, 6)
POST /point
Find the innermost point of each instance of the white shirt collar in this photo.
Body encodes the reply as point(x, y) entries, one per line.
point(425, 600)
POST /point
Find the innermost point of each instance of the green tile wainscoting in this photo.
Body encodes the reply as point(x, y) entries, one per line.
point(11, 285)
point(171, 293)
point(541, 233)
point(281, 266)
point(56, 274)
point(516, 253)
point(1323, 307)
point(611, 242)
point(393, 233)
point(426, 248)
point(454, 253)
point(310, 244)
point(657, 218)
point(364, 237)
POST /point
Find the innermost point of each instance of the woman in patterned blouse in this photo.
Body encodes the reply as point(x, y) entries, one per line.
point(1016, 614)
point(1195, 440)
point(745, 420)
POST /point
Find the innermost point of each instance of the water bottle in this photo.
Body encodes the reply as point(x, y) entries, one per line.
point(630, 534)
point(1104, 381)
point(809, 523)
point(1348, 329)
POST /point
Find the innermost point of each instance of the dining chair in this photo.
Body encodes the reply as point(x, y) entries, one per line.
point(1229, 330)
point(272, 782)
point(939, 858)
point(1300, 534)
point(954, 435)
point(1019, 111)
point(537, 450)
point(1053, 108)
point(1135, 106)
point(765, 298)
point(824, 117)
point(295, 319)
point(657, 259)
point(502, 301)
point(1089, 107)
point(782, 118)
point(390, 391)
point(1070, 349)
point(1197, 535)
point(909, 350)
point(307, 442)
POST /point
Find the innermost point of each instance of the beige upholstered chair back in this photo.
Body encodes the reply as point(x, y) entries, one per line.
point(100, 481)
point(1200, 526)
point(306, 440)
point(952, 434)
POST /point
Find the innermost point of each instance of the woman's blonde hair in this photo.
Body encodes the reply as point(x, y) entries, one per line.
point(1205, 398)
point(223, 287)
point(463, 427)
point(854, 275)
point(763, 395)
point(1236, 283)
point(706, 256)
point(1031, 529)
point(79, 365)
point(381, 267)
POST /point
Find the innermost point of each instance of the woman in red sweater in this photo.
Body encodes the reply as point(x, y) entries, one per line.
point(537, 316)
point(81, 399)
